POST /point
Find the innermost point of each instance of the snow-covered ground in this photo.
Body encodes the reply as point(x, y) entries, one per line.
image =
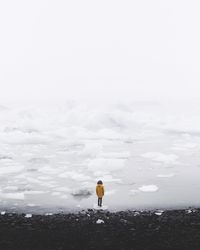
point(51, 155)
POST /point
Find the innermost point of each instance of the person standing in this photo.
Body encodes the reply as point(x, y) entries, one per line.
point(100, 192)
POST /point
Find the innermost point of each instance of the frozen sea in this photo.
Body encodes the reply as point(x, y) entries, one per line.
point(146, 153)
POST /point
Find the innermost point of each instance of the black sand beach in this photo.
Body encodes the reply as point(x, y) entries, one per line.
point(172, 229)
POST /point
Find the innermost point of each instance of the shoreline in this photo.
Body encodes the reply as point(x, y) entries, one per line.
point(101, 229)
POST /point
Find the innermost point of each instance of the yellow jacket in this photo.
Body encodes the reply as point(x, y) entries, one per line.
point(100, 190)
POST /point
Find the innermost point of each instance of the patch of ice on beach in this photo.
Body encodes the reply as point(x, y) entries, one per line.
point(74, 176)
point(166, 175)
point(28, 216)
point(161, 157)
point(96, 207)
point(3, 212)
point(31, 205)
point(48, 214)
point(148, 188)
point(106, 164)
point(99, 221)
point(159, 212)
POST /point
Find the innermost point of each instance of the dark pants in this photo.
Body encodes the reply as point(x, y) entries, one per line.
point(99, 202)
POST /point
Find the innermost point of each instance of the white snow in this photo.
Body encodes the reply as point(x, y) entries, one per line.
point(117, 155)
point(10, 188)
point(10, 169)
point(74, 176)
point(159, 212)
point(166, 175)
point(64, 196)
point(99, 221)
point(28, 215)
point(56, 193)
point(148, 188)
point(34, 192)
point(31, 205)
point(106, 164)
point(161, 157)
point(13, 196)
point(3, 212)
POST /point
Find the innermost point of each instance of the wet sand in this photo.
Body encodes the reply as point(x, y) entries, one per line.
point(172, 229)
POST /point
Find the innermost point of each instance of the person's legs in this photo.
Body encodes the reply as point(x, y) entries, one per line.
point(100, 202)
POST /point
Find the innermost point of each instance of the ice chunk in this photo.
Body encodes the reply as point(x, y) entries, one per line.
point(81, 193)
point(106, 164)
point(91, 150)
point(50, 170)
point(159, 212)
point(13, 196)
point(31, 205)
point(115, 155)
point(62, 189)
point(148, 188)
point(10, 169)
point(75, 176)
point(160, 157)
point(55, 193)
point(166, 175)
point(99, 221)
point(45, 178)
point(3, 212)
point(64, 196)
point(38, 160)
point(32, 192)
point(11, 188)
point(28, 215)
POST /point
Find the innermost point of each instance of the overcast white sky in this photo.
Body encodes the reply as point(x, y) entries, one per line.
point(122, 49)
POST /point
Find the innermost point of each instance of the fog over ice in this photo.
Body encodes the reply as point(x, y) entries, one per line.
point(93, 90)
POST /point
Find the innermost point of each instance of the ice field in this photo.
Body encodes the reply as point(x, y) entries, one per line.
point(146, 153)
